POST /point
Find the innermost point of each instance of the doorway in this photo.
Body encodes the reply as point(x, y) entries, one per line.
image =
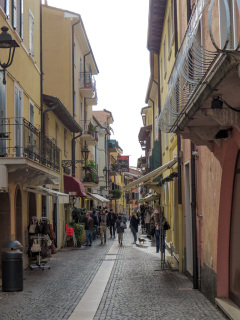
point(18, 225)
point(234, 267)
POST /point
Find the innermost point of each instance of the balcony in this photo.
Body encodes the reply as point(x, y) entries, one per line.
point(87, 87)
point(142, 162)
point(113, 146)
point(144, 137)
point(90, 175)
point(203, 74)
point(90, 133)
point(30, 157)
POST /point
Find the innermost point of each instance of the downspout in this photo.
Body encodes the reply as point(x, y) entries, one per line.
point(43, 116)
point(73, 97)
point(153, 126)
point(159, 110)
point(41, 72)
point(193, 190)
point(194, 219)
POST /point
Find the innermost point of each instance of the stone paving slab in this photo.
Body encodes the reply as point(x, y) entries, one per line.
point(135, 289)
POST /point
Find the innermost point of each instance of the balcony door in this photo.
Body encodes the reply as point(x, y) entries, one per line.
point(234, 276)
point(18, 122)
point(3, 119)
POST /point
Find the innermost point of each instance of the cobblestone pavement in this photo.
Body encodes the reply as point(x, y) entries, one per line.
point(136, 289)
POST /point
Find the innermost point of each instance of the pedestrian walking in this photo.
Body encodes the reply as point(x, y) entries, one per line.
point(121, 225)
point(103, 225)
point(89, 226)
point(156, 214)
point(111, 222)
point(96, 223)
point(134, 226)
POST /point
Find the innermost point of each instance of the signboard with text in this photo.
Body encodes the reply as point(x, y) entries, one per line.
point(123, 164)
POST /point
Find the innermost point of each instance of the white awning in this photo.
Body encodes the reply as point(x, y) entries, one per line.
point(149, 197)
point(97, 197)
point(62, 197)
point(150, 176)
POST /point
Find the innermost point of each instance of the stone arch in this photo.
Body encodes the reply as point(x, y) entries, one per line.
point(230, 153)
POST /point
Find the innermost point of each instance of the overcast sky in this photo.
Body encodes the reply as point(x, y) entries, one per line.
point(117, 32)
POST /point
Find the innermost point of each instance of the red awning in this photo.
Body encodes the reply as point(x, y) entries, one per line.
point(73, 186)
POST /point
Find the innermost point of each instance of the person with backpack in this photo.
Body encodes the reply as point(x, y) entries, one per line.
point(121, 225)
point(112, 217)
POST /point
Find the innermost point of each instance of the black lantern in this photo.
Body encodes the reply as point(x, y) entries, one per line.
point(105, 171)
point(85, 152)
point(6, 42)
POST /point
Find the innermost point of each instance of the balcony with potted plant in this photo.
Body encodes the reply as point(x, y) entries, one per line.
point(90, 175)
point(90, 133)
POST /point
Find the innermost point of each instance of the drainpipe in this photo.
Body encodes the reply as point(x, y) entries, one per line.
point(73, 147)
point(194, 219)
point(193, 189)
point(73, 97)
point(159, 110)
point(41, 71)
point(43, 116)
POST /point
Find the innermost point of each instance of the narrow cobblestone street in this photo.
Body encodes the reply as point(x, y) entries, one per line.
point(136, 289)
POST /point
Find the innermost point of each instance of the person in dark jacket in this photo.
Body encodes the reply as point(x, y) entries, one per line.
point(134, 221)
point(89, 226)
point(120, 229)
point(112, 217)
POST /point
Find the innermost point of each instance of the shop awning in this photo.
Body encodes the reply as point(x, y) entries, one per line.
point(149, 197)
point(97, 197)
point(151, 175)
point(62, 197)
point(74, 187)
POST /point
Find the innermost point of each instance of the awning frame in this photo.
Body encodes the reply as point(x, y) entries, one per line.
point(97, 197)
point(151, 175)
point(62, 197)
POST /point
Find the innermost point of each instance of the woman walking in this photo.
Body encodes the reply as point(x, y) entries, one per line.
point(134, 226)
point(121, 225)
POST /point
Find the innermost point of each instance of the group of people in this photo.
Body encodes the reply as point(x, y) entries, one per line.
point(152, 221)
point(102, 220)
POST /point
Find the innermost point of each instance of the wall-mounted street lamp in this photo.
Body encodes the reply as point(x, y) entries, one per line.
point(6, 42)
point(85, 153)
point(105, 172)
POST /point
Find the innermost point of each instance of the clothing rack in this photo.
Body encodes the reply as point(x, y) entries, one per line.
point(39, 263)
point(39, 237)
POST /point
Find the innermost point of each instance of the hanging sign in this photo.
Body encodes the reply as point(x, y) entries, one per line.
point(123, 164)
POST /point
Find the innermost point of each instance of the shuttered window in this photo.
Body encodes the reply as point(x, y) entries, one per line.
point(31, 34)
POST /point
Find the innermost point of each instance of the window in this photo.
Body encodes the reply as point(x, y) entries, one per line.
point(164, 58)
point(56, 132)
point(172, 20)
point(161, 74)
point(65, 143)
point(31, 34)
point(5, 6)
point(17, 16)
point(169, 34)
point(156, 128)
point(31, 117)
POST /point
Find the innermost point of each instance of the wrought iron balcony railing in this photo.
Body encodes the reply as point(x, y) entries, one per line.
point(194, 62)
point(20, 139)
point(88, 83)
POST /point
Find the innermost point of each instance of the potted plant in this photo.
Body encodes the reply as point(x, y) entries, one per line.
point(90, 172)
point(116, 193)
point(78, 230)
